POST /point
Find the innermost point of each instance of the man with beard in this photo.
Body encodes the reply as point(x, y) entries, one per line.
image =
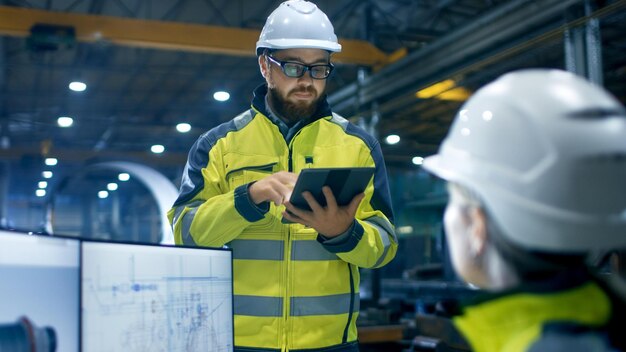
point(295, 285)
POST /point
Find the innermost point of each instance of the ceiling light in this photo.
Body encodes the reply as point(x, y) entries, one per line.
point(5, 142)
point(404, 230)
point(47, 174)
point(112, 186)
point(103, 194)
point(51, 161)
point(418, 160)
point(65, 121)
point(43, 184)
point(221, 95)
point(183, 127)
point(78, 86)
point(123, 177)
point(392, 139)
point(40, 192)
point(157, 149)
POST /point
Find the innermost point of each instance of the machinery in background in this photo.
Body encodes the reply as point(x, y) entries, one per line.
point(24, 336)
point(411, 312)
point(413, 316)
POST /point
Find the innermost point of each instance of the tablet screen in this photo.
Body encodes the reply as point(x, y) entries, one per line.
point(345, 183)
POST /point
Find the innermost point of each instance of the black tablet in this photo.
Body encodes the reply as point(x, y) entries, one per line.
point(344, 182)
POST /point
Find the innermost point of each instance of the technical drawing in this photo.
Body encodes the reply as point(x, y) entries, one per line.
point(160, 300)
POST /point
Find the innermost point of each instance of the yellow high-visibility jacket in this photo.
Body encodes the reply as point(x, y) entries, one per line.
point(293, 289)
point(573, 314)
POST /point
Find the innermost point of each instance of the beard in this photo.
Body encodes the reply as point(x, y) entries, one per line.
point(290, 111)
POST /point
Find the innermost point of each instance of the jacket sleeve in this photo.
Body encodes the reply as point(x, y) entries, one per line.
point(206, 213)
point(372, 242)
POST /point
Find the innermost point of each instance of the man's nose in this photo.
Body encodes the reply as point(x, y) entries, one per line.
point(306, 78)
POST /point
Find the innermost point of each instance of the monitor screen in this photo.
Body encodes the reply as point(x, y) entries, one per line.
point(156, 298)
point(39, 288)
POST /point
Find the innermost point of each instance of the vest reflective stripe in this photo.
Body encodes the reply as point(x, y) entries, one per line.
point(384, 236)
point(310, 250)
point(243, 119)
point(385, 224)
point(186, 227)
point(181, 208)
point(339, 120)
point(322, 305)
point(257, 249)
point(258, 306)
point(177, 212)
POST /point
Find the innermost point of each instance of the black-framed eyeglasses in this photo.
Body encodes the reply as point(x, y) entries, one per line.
point(297, 70)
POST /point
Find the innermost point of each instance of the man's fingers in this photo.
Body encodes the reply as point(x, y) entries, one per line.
point(274, 191)
point(354, 203)
point(275, 197)
point(315, 206)
point(288, 178)
point(293, 218)
point(331, 202)
point(300, 213)
point(283, 190)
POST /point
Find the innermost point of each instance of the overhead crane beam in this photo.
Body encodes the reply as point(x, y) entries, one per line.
point(162, 35)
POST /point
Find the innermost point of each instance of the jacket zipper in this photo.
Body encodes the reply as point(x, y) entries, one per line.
point(286, 301)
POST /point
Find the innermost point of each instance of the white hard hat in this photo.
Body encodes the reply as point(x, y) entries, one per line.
point(546, 152)
point(298, 24)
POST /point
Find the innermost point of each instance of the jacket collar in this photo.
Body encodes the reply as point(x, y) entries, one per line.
point(258, 104)
point(517, 316)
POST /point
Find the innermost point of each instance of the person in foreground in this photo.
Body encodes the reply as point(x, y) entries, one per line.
point(296, 286)
point(536, 168)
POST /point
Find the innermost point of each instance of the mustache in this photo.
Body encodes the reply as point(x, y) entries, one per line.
point(307, 89)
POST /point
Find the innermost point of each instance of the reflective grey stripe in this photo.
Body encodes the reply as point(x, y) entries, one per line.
point(323, 305)
point(340, 120)
point(258, 306)
point(181, 208)
point(257, 249)
point(186, 227)
point(310, 250)
point(386, 242)
point(384, 223)
point(243, 119)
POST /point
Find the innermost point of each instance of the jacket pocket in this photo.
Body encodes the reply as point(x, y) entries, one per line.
point(240, 169)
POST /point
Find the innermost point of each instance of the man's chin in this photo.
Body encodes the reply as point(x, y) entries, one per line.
point(300, 110)
point(295, 109)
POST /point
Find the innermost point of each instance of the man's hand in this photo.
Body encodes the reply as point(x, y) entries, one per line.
point(331, 220)
point(274, 188)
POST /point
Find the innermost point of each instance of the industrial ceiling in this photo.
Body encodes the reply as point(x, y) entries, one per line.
point(406, 68)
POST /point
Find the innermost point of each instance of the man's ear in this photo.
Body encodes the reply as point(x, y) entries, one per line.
point(478, 231)
point(263, 66)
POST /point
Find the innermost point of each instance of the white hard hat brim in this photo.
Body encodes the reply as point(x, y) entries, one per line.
point(280, 44)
